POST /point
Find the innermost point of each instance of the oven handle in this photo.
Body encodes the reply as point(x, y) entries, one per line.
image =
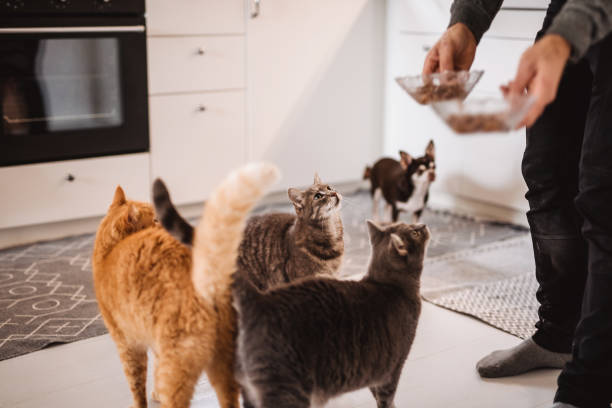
point(100, 29)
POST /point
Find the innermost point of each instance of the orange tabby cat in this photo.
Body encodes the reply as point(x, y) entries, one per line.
point(155, 293)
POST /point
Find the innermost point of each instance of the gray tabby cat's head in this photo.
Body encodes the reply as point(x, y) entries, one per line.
point(318, 202)
point(401, 246)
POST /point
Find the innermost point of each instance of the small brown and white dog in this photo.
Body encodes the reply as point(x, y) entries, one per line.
point(403, 184)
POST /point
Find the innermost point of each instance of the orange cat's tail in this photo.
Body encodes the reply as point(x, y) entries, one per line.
point(219, 233)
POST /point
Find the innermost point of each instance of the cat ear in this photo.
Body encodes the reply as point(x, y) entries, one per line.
point(375, 230)
point(317, 179)
point(398, 244)
point(405, 159)
point(296, 197)
point(430, 150)
point(119, 198)
point(133, 214)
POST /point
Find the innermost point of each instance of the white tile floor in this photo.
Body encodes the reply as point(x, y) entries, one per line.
point(439, 373)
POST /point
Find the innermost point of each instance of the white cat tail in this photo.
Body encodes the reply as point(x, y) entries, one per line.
point(219, 233)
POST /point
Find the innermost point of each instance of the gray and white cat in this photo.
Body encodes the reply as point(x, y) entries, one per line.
point(278, 247)
point(303, 343)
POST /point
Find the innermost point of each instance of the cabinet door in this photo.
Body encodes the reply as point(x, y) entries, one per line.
point(196, 139)
point(493, 161)
point(314, 87)
point(484, 167)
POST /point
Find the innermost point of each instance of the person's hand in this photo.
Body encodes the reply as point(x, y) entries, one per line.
point(539, 72)
point(454, 51)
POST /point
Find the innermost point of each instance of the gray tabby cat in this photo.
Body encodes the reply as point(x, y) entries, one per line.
point(303, 343)
point(278, 248)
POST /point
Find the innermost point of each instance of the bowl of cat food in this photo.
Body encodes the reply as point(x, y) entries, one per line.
point(477, 115)
point(444, 86)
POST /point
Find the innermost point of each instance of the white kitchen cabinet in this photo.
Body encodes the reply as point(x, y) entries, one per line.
point(314, 87)
point(197, 98)
point(195, 64)
point(196, 139)
point(299, 85)
point(481, 167)
point(188, 17)
point(515, 19)
point(47, 192)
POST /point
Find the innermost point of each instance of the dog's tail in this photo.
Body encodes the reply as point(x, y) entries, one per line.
point(217, 237)
point(169, 217)
point(367, 173)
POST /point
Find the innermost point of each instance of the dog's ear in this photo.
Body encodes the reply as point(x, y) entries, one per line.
point(430, 150)
point(405, 159)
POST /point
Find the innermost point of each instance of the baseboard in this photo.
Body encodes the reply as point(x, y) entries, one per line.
point(475, 208)
point(10, 237)
point(443, 201)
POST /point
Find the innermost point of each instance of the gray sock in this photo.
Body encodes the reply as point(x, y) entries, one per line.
point(563, 405)
point(517, 360)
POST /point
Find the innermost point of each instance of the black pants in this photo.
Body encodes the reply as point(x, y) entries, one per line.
point(568, 169)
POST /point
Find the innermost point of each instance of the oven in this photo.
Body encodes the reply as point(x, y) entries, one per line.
point(73, 79)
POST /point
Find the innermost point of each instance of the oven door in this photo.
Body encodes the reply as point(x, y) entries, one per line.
point(72, 92)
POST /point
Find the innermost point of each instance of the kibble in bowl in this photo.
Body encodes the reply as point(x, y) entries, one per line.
point(445, 86)
point(484, 115)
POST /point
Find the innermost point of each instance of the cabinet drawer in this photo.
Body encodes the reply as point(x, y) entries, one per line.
point(193, 149)
point(431, 16)
point(191, 64)
point(39, 193)
point(500, 66)
point(526, 4)
point(520, 24)
point(185, 17)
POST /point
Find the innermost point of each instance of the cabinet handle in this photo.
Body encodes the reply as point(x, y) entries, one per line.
point(201, 51)
point(426, 48)
point(256, 7)
point(70, 178)
point(201, 108)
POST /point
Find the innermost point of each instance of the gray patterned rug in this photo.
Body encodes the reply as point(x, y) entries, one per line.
point(509, 304)
point(494, 282)
point(47, 297)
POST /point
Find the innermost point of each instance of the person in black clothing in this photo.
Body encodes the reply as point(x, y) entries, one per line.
point(567, 166)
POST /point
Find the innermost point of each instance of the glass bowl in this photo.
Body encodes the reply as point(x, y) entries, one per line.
point(484, 114)
point(448, 85)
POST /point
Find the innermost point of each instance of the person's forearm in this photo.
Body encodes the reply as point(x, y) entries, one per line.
point(477, 15)
point(582, 23)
